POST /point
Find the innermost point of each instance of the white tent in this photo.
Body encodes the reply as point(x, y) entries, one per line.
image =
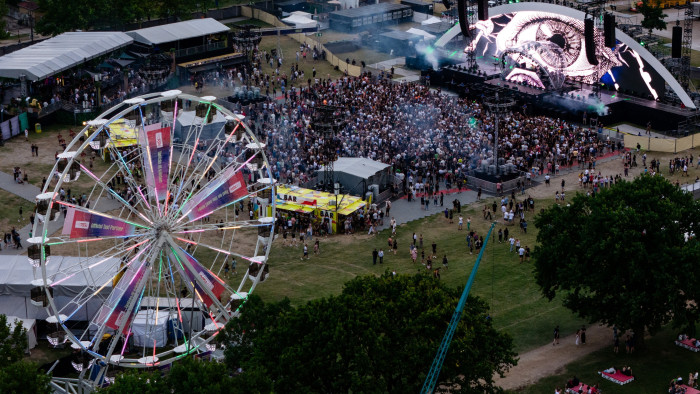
point(300, 21)
point(16, 276)
point(185, 119)
point(420, 32)
point(60, 53)
point(431, 21)
point(27, 324)
point(149, 326)
point(178, 31)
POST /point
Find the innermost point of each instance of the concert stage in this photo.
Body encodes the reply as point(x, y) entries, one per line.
point(540, 54)
point(570, 103)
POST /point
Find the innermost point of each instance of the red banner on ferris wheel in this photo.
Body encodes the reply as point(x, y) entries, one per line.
point(226, 189)
point(155, 140)
point(210, 281)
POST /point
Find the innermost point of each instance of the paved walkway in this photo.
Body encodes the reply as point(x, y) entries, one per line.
point(404, 211)
point(29, 193)
point(26, 191)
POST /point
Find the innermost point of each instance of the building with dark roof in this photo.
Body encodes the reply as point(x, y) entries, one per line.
point(371, 16)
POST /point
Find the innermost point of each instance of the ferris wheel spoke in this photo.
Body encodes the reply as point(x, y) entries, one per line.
point(104, 257)
point(129, 178)
point(229, 225)
point(206, 285)
point(219, 149)
point(61, 240)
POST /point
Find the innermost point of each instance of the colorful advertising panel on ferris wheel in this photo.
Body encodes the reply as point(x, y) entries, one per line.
point(156, 143)
point(80, 224)
point(217, 195)
point(210, 281)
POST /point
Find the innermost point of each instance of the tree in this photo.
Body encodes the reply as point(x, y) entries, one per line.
point(621, 258)
point(379, 335)
point(3, 23)
point(653, 16)
point(17, 376)
point(13, 342)
point(187, 376)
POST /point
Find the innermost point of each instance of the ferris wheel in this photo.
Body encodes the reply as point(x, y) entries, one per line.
point(180, 198)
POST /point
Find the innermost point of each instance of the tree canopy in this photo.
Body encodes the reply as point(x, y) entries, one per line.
point(187, 376)
point(653, 16)
point(62, 16)
point(379, 335)
point(16, 375)
point(621, 256)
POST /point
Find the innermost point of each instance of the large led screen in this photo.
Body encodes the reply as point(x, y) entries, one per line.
point(532, 40)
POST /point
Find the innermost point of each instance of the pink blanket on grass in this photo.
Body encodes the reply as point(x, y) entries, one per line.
point(575, 390)
point(617, 377)
point(690, 390)
point(688, 344)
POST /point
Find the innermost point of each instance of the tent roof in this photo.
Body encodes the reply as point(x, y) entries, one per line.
point(60, 53)
point(431, 20)
point(359, 167)
point(420, 32)
point(178, 31)
point(16, 274)
point(297, 20)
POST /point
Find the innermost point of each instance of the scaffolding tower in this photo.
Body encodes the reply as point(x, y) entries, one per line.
point(684, 73)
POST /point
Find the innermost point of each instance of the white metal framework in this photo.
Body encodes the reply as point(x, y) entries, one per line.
point(158, 233)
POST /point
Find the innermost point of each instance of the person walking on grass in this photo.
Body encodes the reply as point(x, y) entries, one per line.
point(317, 247)
point(444, 262)
point(556, 336)
point(306, 252)
point(374, 256)
point(460, 222)
point(381, 256)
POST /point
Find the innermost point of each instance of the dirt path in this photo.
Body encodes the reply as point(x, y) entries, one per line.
point(549, 360)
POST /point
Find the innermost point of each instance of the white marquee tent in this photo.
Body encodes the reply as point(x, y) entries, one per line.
point(178, 31)
point(60, 53)
point(300, 21)
point(16, 276)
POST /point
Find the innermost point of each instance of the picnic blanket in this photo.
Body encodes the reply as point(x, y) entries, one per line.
point(575, 390)
point(688, 344)
point(690, 390)
point(617, 377)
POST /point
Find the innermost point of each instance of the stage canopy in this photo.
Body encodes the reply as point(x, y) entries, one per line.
point(60, 53)
point(178, 31)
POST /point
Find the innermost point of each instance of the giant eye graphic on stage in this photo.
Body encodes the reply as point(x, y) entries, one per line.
point(544, 49)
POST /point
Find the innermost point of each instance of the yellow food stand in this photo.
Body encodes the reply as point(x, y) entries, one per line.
point(320, 204)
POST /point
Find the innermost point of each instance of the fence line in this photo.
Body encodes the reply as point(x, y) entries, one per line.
point(661, 144)
point(270, 19)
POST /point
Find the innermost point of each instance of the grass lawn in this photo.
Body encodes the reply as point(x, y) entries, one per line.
point(9, 211)
point(653, 369)
point(508, 286)
point(289, 48)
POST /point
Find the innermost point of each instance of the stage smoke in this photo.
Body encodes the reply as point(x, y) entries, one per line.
point(677, 42)
point(588, 33)
point(463, 20)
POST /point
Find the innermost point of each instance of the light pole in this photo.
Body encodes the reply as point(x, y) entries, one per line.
point(498, 106)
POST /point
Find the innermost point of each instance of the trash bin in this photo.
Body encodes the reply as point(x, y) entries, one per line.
point(37, 128)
